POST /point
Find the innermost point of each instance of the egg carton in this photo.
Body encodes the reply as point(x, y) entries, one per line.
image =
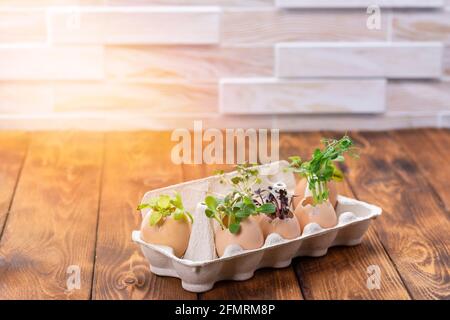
point(200, 268)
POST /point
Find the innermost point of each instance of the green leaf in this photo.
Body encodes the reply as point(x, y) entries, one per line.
point(234, 228)
point(337, 175)
point(190, 216)
point(143, 206)
point(176, 201)
point(247, 200)
point(244, 213)
point(236, 180)
point(209, 213)
point(178, 214)
point(266, 208)
point(164, 201)
point(211, 203)
point(155, 217)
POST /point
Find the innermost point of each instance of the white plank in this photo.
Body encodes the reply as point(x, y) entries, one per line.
point(377, 59)
point(51, 63)
point(269, 26)
point(135, 25)
point(421, 26)
point(25, 98)
point(158, 98)
point(234, 3)
point(413, 96)
point(22, 26)
point(359, 3)
point(191, 63)
point(444, 120)
point(314, 96)
point(388, 121)
point(147, 121)
point(447, 61)
point(47, 3)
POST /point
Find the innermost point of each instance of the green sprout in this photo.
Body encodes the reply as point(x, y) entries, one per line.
point(238, 204)
point(164, 206)
point(321, 168)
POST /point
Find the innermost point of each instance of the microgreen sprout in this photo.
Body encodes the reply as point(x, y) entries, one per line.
point(164, 206)
point(238, 204)
point(280, 200)
point(320, 169)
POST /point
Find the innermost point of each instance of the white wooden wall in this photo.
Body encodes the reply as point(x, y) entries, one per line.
point(161, 64)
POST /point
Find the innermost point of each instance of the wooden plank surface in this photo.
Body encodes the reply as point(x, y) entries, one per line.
point(342, 273)
point(59, 194)
point(134, 164)
point(13, 147)
point(53, 218)
point(414, 227)
point(432, 161)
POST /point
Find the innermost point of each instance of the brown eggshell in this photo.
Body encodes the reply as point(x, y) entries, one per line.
point(287, 228)
point(168, 232)
point(323, 214)
point(249, 237)
point(301, 192)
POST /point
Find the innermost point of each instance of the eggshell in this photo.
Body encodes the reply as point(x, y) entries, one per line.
point(287, 228)
point(249, 237)
point(323, 214)
point(301, 191)
point(168, 232)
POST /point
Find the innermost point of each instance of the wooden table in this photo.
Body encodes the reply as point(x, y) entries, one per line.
point(69, 198)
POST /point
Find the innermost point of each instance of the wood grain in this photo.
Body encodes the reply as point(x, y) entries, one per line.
point(352, 59)
point(52, 63)
point(421, 26)
point(22, 26)
point(269, 26)
point(53, 218)
point(414, 227)
point(359, 3)
point(298, 96)
point(17, 97)
point(13, 148)
point(433, 162)
point(152, 98)
point(418, 96)
point(191, 63)
point(134, 164)
point(148, 25)
point(342, 273)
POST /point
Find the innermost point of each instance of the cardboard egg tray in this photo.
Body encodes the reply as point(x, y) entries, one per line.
point(200, 267)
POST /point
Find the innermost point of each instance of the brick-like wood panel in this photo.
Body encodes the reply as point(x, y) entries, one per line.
point(47, 3)
point(273, 96)
point(155, 98)
point(267, 26)
point(350, 59)
point(18, 26)
point(446, 61)
point(359, 3)
point(51, 63)
point(140, 25)
point(196, 63)
point(233, 3)
point(418, 96)
point(25, 98)
point(421, 26)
